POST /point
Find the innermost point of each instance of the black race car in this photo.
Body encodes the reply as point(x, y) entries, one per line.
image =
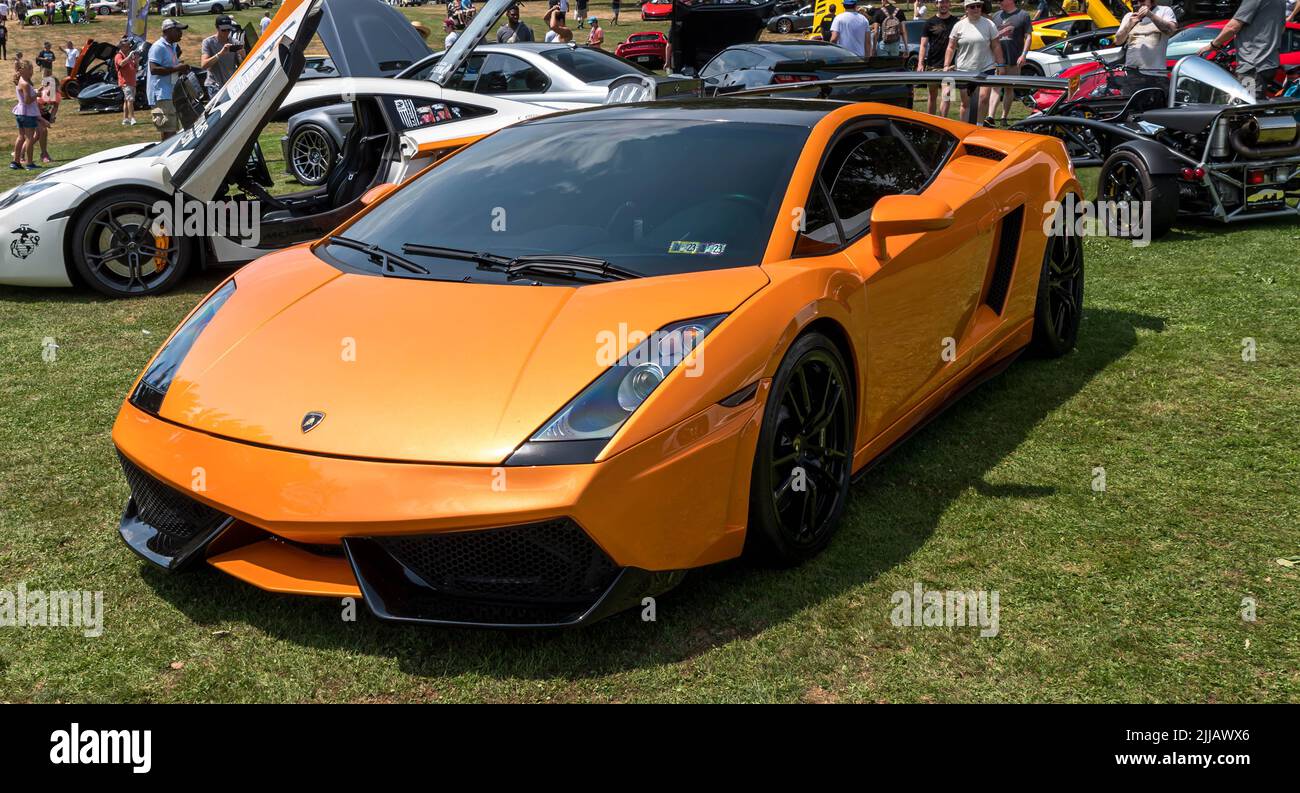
point(1198, 145)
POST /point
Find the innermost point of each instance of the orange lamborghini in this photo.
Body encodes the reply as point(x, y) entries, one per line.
point(591, 351)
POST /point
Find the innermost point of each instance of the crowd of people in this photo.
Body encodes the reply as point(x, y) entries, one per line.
point(987, 41)
point(979, 40)
point(37, 103)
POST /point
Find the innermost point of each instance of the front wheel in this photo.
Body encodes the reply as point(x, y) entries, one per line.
point(804, 459)
point(216, 9)
point(784, 26)
point(37, 21)
point(1126, 179)
point(1059, 306)
point(1031, 69)
point(116, 251)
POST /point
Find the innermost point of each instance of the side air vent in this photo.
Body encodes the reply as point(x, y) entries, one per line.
point(987, 153)
point(1004, 260)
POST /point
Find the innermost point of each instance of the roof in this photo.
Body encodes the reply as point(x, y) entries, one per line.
point(752, 110)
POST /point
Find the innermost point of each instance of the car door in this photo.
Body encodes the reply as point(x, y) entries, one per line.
point(233, 118)
point(920, 301)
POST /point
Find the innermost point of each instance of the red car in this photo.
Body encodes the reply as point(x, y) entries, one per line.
point(656, 11)
point(1185, 42)
point(644, 49)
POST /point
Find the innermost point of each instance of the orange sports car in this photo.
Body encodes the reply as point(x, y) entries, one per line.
point(540, 381)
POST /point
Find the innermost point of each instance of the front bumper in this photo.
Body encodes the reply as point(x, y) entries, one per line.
point(540, 546)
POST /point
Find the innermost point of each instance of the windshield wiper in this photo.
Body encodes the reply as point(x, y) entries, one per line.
point(557, 265)
point(552, 263)
point(385, 259)
point(483, 259)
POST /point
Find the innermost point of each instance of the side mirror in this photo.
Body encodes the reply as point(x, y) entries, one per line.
point(895, 215)
point(377, 192)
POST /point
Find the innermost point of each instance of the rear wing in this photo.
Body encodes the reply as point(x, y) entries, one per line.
point(965, 81)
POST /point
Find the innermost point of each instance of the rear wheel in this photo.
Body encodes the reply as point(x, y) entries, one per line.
point(1059, 306)
point(117, 253)
point(784, 26)
point(311, 155)
point(1125, 178)
point(216, 9)
point(1030, 69)
point(804, 458)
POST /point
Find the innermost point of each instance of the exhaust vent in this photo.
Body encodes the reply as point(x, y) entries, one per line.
point(975, 150)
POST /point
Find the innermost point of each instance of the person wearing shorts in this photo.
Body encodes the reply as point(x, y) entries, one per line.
point(164, 66)
point(127, 64)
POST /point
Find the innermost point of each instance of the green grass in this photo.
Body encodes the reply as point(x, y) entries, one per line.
point(1129, 595)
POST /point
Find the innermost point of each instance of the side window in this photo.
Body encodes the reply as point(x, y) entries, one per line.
point(466, 77)
point(862, 168)
point(820, 233)
point(718, 65)
point(412, 112)
point(931, 145)
point(506, 74)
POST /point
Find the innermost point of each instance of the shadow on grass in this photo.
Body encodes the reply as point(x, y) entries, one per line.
point(891, 514)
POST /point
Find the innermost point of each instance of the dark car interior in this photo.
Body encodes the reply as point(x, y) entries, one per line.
point(289, 219)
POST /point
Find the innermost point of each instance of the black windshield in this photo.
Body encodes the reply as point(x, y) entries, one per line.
point(649, 195)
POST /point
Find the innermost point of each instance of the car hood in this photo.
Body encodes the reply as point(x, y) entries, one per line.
point(371, 41)
point(414, 370)
point(703, 28)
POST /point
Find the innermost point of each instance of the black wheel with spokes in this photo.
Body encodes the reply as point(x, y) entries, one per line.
point(1126, 182)
point(804, 460)
point(117, 251)
point(1059, 306)
point(311, 155)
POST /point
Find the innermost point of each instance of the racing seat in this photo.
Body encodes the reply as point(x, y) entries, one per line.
point(1142, 101)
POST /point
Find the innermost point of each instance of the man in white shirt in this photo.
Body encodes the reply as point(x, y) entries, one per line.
point(266, 20)
point(1146, 31)
point(852, 31)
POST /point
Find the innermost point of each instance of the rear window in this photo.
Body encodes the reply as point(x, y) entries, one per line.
point(590, 66)
point(823, 53)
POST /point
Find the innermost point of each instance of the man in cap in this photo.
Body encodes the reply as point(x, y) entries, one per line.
point(220, 54)
point(164, 65)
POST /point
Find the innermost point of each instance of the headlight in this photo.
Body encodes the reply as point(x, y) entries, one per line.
point(148, 395)
point(23, 191)
point(593, 416)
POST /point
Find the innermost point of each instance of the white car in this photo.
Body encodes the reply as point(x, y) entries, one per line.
point(200, 7)
point(107, 7)
point(93, 221)
point(1056, 58)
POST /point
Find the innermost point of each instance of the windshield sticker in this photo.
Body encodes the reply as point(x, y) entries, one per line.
point(690, 247)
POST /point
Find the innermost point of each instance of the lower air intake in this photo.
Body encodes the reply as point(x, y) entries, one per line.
point(166, 509)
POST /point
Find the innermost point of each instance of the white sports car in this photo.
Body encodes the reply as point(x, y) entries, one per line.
point(93, 221)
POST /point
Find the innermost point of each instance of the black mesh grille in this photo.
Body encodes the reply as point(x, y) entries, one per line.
point(165, 508)
point(975, 150)
point(549, 562)
point(1005, 259)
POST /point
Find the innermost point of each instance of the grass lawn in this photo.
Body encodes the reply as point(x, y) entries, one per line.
point(1132, 594)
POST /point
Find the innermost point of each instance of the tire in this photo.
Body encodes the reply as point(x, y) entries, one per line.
point(71, 88)
point(806, 438)
point(1059, 305)
point(216, 9)
point(311, 154)
point(1030, 69)
point(784, 26)
point(1125, 176)
point(910, 64)
point(120, 221)
point(37, 21)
